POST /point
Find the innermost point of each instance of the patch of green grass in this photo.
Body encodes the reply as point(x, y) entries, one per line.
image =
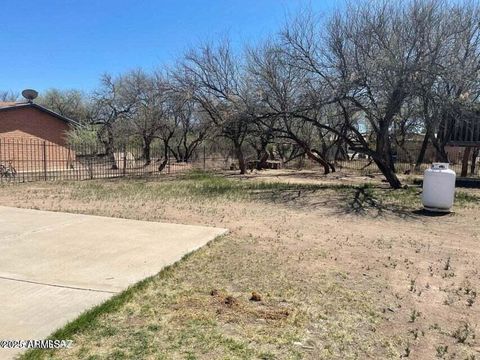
point(363, 199)
point(405, 197)
point(464, 198)
point(201, 187)
point(195, 185)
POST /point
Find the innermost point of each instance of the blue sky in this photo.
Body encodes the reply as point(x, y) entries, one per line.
point(70, 43)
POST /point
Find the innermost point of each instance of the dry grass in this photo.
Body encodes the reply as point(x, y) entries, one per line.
point(343, 270)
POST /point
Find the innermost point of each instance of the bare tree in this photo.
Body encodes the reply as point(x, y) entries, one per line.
point(8, 96)
point(450, 92)
point(406, 128)
point(171, 120)
point(146, 119)
point(369, 62)
point(110, 104)
point(285, 93)
point(70, 103)
point(214, 77)
point(193, 128)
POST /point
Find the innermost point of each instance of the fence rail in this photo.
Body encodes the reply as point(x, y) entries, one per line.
point(24, 160)
point(366, 166)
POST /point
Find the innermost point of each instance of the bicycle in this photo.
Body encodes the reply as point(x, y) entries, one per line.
point(8, 171)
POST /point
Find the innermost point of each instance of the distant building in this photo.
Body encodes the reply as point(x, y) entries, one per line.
point(31, 121)
point(30, 133)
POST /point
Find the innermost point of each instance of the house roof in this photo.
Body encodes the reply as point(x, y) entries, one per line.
point(7, 103)
point(20, 105)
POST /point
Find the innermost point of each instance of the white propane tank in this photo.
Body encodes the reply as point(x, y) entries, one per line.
point(438, 188)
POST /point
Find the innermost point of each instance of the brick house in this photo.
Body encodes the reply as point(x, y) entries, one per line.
point(33, 137)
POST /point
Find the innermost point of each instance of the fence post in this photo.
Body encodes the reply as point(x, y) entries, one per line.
point(44, 160)
point(124, 160)
point(168, 161)
point(204, 158)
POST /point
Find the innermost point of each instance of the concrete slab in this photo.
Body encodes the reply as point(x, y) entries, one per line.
point(33, 311)
point(54, 266)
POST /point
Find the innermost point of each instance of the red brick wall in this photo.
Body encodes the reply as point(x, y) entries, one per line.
point(27, 134)
point(31, 123)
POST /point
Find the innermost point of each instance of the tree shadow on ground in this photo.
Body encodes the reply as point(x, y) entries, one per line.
point(340, 199)
point(363, 201)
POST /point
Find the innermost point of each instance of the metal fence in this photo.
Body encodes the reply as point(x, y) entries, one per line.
point(24, 160)
point(367, 166)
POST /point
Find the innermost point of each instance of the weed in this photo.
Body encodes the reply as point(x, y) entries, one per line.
point(448, 275)
point(414, 315)
point(442, 350)
point(449, 300)
point(447, 265)
point(406, 352)
point(267, 356)
point(463, 333)
point(471, 295)
point(412, 285)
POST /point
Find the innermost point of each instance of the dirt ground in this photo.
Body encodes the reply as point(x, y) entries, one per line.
point(336, 272)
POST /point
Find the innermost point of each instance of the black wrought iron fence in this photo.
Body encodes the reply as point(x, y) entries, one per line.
point(402, 166)
point(23, 160)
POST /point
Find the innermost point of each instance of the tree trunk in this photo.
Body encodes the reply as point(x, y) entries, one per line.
point(440, 154)
point(466, 155)
point(180, 156)
point(166, 150)
point(332, 166)
point(110, 156)
point(163, 164)
point(262, 155)
point(316, 157)
point(340, 153)
point(320, 155)
point(262, 163)
point(473, 165)
point(384, 148)
point(439, 145)
point(146, 151)
point(109, 150)
point(423, 150)
point(388, 172)
point(383, 156)
point(176, 155)
point(241, 159)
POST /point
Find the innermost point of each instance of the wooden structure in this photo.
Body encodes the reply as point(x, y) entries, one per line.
point(465, 132)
